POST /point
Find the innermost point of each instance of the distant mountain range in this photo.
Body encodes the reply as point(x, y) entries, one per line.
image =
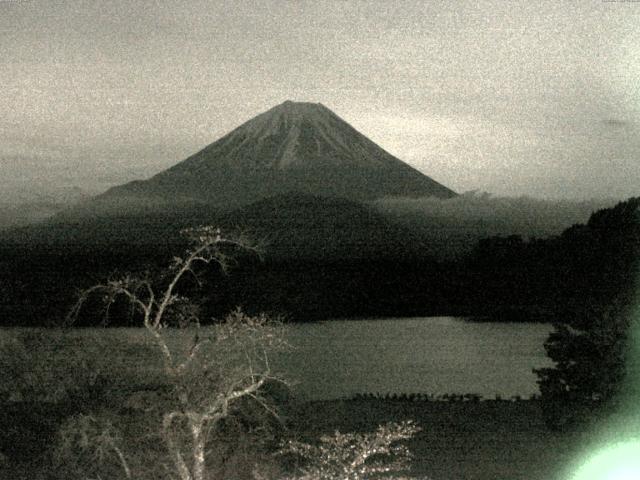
point(303, 178)
point(293, 147)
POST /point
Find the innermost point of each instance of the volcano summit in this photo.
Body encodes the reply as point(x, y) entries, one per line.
point(293, 147)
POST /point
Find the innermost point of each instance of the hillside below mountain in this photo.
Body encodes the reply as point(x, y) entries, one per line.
point(298, 225)
point(292, 225)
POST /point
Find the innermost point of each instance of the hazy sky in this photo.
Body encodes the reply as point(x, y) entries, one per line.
point(516, 98)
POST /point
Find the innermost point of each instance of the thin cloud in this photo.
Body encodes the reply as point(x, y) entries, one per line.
point(616, 123)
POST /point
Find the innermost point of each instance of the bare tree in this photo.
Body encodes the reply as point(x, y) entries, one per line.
point(222, 365)
point(355, 456)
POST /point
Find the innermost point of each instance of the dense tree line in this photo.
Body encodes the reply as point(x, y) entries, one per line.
point(594, 348)
point(583, 268)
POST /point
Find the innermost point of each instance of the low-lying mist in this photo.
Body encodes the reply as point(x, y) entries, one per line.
point(453, 226)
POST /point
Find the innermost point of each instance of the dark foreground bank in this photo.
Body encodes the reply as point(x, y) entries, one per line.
point(458, 440)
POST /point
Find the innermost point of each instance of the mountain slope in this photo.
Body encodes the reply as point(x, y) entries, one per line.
point(301, 147)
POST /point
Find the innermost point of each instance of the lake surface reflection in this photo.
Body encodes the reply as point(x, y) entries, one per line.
point(434, 355)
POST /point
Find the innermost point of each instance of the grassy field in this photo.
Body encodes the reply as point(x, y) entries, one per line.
point(490, 440)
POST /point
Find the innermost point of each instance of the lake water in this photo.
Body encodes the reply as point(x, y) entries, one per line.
point(434, 355)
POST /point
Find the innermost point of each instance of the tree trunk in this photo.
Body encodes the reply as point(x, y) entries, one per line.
point(174, 450)
point(199, 440)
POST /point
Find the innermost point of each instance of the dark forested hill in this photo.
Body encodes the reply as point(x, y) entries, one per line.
point(303, 226)
point(330, 258)
point(587, 266)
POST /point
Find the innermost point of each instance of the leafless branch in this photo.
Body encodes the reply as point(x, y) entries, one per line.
point(201, 402)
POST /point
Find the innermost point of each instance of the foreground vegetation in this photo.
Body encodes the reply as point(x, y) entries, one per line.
point(484, 440)
point(115, 376)
point(180, 401)
point(211, 391)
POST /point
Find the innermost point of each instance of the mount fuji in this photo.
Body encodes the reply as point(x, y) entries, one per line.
point(293, 147)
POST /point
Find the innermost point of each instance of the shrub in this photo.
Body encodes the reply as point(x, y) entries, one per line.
point(42, 366)
point(354, 456)
point(589, 367)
